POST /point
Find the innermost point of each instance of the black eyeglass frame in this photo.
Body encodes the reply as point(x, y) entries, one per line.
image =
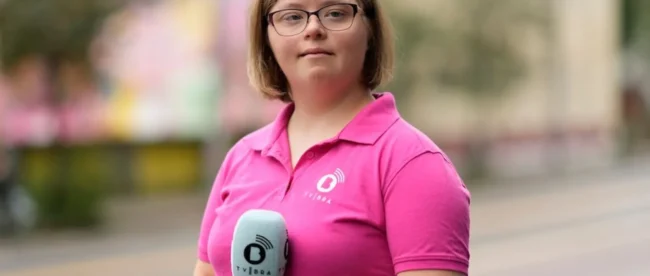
point(355, 11)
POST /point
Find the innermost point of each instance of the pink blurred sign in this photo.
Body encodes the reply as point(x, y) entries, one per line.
point(242, 107)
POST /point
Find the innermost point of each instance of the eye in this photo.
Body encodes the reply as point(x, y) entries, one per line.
point(291, 17)
point(335, 13)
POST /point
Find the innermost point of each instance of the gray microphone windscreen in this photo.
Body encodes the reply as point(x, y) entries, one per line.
point(260, 245)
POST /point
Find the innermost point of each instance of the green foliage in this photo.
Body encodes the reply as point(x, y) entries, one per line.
point(629, 17)
point(475, 52)
point(56, 29)
point(636, 25)
point(411, 34)
point(68, 184)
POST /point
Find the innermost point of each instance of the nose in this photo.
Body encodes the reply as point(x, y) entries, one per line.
point(314, 28)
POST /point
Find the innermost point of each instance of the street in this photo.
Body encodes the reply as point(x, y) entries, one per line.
point(591, 224)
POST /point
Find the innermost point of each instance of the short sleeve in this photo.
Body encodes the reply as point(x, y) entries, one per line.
point(209, 214)
point(427, 210)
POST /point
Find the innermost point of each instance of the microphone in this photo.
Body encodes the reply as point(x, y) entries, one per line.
point(260, 244)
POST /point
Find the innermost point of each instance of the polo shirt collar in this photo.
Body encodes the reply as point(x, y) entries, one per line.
point(365, 128)
point(373, 120)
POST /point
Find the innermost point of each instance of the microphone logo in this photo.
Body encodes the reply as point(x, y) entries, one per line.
point(286, 250)
point(255, 253)
point(264, 242)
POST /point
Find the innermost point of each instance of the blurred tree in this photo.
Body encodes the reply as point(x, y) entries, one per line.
point(636, 25)
point(57, 30)
point(412, 32)
point(475, 51)
point(635, 29)
point(629, 18)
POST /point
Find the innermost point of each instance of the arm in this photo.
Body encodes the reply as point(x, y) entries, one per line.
point(427, 218)
point(203, 266)
point(203, 269)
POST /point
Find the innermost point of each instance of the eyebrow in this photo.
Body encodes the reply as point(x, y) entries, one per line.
point(298, 5)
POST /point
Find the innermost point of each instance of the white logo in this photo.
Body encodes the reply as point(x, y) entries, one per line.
point(328, 182)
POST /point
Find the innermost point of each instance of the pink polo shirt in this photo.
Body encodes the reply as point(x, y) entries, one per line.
point(378, 199)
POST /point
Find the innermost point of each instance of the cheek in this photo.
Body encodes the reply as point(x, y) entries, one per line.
point(355, 46)
point(282, 50)
point(355, 41)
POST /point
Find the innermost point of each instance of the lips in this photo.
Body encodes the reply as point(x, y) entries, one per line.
point(315, 51)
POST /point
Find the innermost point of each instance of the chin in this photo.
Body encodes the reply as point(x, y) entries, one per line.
point(320, 74)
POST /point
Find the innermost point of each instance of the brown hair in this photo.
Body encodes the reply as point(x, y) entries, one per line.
point(265, 73)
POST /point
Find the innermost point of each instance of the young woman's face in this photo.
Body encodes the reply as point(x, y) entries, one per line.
point(330, 47)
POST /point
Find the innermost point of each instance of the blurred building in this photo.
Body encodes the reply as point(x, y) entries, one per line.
point(175, 72)
point(563, 115)
point(242, 109)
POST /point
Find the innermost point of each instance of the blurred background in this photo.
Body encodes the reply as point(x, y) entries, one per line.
point(115, 116)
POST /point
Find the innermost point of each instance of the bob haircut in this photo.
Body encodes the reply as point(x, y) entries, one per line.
point(266, 76)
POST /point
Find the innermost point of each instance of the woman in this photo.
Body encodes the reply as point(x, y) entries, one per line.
point(361, 190)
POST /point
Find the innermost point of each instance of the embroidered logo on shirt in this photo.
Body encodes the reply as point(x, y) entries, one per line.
point(326, 184)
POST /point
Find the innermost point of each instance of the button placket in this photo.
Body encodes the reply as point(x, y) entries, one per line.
point(285, 190)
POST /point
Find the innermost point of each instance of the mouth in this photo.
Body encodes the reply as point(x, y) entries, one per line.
point(316, 52)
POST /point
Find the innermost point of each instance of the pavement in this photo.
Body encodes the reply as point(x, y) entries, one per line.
point(592, 224)
point(151, 236)
point(596, 223)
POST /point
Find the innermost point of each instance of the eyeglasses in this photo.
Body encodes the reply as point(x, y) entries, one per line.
point(336, 17)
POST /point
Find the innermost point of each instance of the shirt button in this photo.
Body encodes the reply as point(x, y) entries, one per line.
point(309, 155)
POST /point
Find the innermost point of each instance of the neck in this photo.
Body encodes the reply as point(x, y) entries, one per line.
point(321, 118)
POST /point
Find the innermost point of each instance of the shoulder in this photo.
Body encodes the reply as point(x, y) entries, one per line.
point(404, 141)
point(256, 140)
point(403, 144)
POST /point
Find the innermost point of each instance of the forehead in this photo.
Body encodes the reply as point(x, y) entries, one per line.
point(307, 4)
